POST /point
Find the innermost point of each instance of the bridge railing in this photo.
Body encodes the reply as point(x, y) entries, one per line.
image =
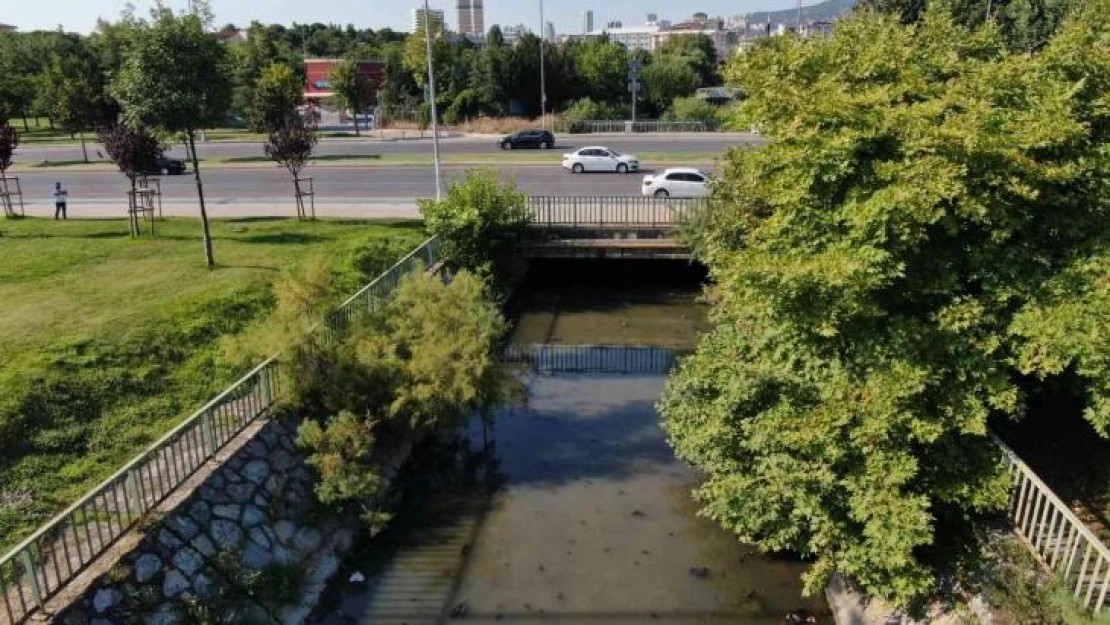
point(594, 358)
point(1059, 539)
point(611, 211)
point(52, 557)
point(628, 126)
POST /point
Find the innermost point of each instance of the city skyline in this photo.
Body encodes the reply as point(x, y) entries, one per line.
point(567, 16)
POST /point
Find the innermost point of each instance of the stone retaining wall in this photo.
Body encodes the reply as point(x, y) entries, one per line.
point(251, 545)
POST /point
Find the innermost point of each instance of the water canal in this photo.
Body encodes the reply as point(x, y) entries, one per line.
point(578, 511)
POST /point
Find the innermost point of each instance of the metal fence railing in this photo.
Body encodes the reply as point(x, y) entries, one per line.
point(593, 358)
point(1058, 538)
point(36, 569)
point(627, 126)
point(601, 211)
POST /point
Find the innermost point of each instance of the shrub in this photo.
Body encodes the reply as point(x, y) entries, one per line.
point(694, 109)
point(479, 221)
point(587, 109)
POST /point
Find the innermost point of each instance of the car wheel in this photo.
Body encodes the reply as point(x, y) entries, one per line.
point(510, 146)
point(504, 146)
point(165, 171)
point(545, 146)
point(578, 168)
point(662, 194)
point(622, 168)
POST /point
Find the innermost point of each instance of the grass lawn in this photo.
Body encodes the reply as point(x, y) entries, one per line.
point(108, 341)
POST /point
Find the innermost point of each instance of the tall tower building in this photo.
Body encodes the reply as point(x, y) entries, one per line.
point(418, 20)
point(472, 18)
point(587, 22)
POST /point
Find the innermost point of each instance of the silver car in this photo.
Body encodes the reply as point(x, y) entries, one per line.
point(598, 158)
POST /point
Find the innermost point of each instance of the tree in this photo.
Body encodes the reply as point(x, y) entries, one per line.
point(134, 150)
point(887, 269)
point(666, 79)
point(603, 66)
point(277, 95)
point(176, 78)
point(479, 221)
point(9, 141)
point(73, 92)
point(698, 51)
point(291, 146)
point(354, 89)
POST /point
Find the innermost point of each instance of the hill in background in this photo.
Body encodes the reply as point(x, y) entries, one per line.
point(822, 11)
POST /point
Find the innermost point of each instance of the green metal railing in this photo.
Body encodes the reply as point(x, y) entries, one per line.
point(610, 211)
point(594, 358)
point(628, 126)
point(40, 566)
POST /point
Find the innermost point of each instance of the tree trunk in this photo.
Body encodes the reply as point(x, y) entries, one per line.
point(300, 200)
point(51, 120)
point(356, 125)
point(84, 148)
point(26, 126)
point(133, 209)
point(208, 257)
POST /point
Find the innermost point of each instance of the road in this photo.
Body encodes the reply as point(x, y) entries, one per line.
point(341, 191)
point(694, 143)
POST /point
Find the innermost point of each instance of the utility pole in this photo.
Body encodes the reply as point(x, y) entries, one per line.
point(543, 73)
point(432, 97)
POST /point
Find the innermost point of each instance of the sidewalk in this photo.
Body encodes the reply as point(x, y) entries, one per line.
point(383, 208)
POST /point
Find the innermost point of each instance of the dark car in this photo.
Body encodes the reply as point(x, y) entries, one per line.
point(165, 166)
point(541, 139)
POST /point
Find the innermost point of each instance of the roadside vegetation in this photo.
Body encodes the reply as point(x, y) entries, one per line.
point(108, 341)
point(920, 250)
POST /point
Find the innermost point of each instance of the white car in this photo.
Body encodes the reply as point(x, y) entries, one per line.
point(677, 182)
point(597, 158)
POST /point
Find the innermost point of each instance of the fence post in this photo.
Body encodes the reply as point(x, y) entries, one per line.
point(209, 429)
point(36, 590)
point(267, 390)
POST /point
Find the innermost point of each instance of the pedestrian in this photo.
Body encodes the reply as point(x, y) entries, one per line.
point(60, 196)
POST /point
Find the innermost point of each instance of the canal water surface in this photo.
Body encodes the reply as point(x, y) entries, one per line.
point(577, 510)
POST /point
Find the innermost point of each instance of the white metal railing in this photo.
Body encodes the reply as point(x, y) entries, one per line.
point(1059, 539)
point(36, 569)
point(627, 126)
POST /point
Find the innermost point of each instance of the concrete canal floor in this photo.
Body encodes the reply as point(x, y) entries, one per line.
point(591, 521)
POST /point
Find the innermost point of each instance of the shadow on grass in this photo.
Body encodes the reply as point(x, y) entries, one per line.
point(283, 238)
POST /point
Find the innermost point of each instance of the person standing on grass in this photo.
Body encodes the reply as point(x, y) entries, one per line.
point(60, 196)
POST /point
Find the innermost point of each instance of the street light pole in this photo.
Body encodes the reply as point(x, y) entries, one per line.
point(543, 72)
point(432, 96)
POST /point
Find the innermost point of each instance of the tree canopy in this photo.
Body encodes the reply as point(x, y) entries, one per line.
point(927, 226)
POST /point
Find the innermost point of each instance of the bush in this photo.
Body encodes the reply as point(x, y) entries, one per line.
point(588, 110)
point(694, 109)
point(480, 221)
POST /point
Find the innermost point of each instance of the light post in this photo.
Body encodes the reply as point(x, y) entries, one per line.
point(543, 72)
point(432, 97)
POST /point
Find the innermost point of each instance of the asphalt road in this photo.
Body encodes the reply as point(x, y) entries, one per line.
point(335, 184)
point(691, 143)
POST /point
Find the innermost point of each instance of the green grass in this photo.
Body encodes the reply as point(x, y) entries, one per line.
point(108, 341)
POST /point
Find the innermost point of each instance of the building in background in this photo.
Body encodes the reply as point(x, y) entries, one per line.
point(587, 22)
point(549, 32)
point(418, 20)
point(318, 77)
point(513, 34)
point(472, 18)
point(7, 28)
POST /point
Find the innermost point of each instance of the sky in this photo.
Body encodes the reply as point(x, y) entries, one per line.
point(81, 15)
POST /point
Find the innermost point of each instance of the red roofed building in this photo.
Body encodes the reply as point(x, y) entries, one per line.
point(318, 76)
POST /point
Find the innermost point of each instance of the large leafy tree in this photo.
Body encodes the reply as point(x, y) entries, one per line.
point(602, 66)
point(9, 141)
point(698, 51)
point(72, 90)
point(927, 225)
point(668, 78)
point(176, 77)
point(134, 150)
point(354, 89)
point(277, 95)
